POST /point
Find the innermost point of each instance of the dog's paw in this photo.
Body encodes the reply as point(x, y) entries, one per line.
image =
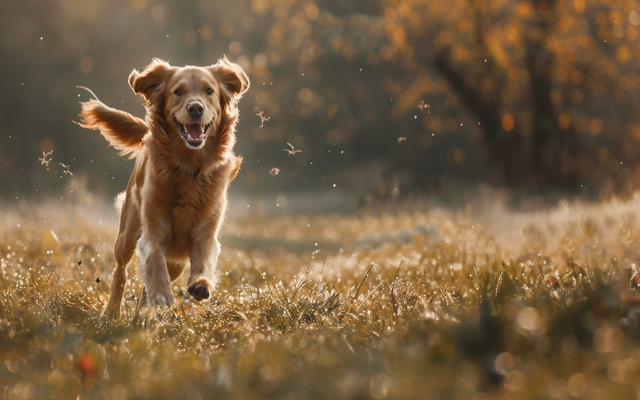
point(200, 289)
point(160, 298)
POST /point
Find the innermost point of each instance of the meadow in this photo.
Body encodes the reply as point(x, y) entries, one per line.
point(402, 302)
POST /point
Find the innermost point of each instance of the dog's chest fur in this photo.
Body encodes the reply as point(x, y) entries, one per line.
point(185, 202)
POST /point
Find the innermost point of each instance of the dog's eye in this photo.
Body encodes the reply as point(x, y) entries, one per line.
point(209, 91)
point(178, 92)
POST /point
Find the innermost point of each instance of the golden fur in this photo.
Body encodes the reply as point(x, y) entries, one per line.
point(176, 198)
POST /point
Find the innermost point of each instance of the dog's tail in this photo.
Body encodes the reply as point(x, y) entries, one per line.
point(123, 130)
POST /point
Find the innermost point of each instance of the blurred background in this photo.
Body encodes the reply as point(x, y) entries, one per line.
point(387, 99)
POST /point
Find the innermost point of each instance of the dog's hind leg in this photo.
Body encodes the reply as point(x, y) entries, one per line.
point(124, 250)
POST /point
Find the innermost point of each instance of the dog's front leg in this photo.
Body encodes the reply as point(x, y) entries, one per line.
point(153, 265)
point(204, 258)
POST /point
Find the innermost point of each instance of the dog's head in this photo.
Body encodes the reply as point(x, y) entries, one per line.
point(191, 101)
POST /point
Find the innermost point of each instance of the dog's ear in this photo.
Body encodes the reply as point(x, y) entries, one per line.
point(234, 82)
point(150, 82)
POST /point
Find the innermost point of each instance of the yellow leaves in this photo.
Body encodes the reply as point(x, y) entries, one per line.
point(427, 85)
point(513, 34)
point(618, 30)
point(139, 4)
point(524, 9)
point(631, 33)
point(305, 95)
point(386, 52)
point(466, 25)
point(399, 36)
point(625, 83)
point(396, 33)
point(595, 126)
point(312, 12)
point(636, 133)
point(609, 67)
point(551, 43)
point(460, 53)
point(404, 10)
point(259, 6)
point(623, 53)
point(205, 32)
point(614, 17)
point(603, 34)
point(508, 122)
point(579, 5)
point(276, 34)
point(445, 38)
point(389, 27)
point(226, 29)
point(584, 41)
point(575, 76)
point(390, 13)
point(332, 110)
point(601, 18)
point(494, 45)
point(308, 53)
point(564, 120)
point(565, 25)
point(637, 172)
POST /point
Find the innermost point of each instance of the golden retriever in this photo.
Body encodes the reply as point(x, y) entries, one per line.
point(176, 198)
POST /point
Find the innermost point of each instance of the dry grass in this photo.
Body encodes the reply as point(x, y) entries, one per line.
point(405, 304)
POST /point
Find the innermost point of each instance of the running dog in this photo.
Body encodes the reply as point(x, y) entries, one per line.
point(175, 202)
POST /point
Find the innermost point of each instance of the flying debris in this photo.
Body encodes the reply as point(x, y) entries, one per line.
point(66, 169)
point(274, 171)
point(422, 106)
point(293, 151)
point(401, 139)
point(44, 160)
point(262, 118)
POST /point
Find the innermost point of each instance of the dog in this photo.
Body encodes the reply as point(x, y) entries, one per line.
point(176, 198)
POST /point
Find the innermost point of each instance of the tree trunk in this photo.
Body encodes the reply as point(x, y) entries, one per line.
point(503, 148)
point(554, 150)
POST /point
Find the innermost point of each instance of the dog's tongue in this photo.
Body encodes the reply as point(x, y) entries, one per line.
point(194, 130)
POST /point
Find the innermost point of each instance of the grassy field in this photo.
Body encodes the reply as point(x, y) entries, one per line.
point(407, 302)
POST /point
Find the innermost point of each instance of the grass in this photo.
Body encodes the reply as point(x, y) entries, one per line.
point(406, 303)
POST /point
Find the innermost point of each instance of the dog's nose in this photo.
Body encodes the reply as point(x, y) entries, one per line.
point(195, 109)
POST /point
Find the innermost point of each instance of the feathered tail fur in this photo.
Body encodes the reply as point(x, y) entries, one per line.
point(123, 130)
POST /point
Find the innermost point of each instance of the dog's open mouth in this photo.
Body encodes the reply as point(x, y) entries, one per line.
point(193, 134)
